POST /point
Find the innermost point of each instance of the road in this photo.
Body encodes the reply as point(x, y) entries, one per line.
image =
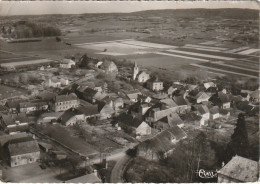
point(119, 169)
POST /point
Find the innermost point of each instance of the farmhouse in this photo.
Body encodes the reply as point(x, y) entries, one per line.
point(238, 170)
point(255, 96)
point(154, 84)
point(133, 97)
point(6, 138)
point(134, 125)
point(71, 117)
point(161, 145)
point(203, 111)
point(222, 100)
point(13, 106)
point(13, 123)
point(171, 120)
point(106, 110)
point(56, 83)
point(199, 96)
point(140, 76)
point(65, 102)
point(182, 103)
point(23, 151)
point(67, 63)
point(28, 107)
point(214, 112)
point(90, 95)
point(49, 117)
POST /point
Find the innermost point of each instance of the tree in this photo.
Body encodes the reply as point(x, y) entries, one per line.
point(239, 143)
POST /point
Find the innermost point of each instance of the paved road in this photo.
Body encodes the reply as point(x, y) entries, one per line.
point(118, 170)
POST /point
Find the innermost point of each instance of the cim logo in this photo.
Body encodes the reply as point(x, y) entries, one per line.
point(206, 174)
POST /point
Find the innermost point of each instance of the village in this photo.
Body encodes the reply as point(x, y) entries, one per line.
point(78, 114)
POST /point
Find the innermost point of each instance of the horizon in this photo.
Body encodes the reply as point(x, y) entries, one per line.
point(23, 8)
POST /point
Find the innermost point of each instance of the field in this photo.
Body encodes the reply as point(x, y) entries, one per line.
point(168, 42)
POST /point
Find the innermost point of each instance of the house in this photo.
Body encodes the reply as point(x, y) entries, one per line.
point(106, 110)
point(46, 95)
point(13, 105)
point(56, 82)
point(203, 111)
point(180, 92)
point(199, 96)
point(139, 109)
point(6, 138)
point(90, 95)
point(222, 100)
point(140, 76)
point(238, 170)
point(161, 145)
point(133, 97)
point(144, 99)
point(170, 91)
point(49, 117)
point(23, 151)
point(182, 103)
point(90, 111)
point(137, 126)
point(214, 112)
point(67, 63)
point(28, 107)
point(65, 102)
point(13, 123)
point(71, 117)
point(244, 106)
point(171, 120)
point(109, 67)
point(53, 82)
point(208, 85)
point(154, 84)
point(159, 111)
point(88, 178)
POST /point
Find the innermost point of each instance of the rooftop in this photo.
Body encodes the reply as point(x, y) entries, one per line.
point(242, 169)
point(22, 145)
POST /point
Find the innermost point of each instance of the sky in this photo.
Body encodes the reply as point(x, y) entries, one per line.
point(80, 7)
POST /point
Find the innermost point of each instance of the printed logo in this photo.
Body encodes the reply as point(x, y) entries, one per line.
point(206, 174)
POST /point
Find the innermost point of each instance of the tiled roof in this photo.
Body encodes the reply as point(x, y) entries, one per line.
point(129, 120)
point(21, 146)
point(88, 110)
point(133, 95)
point(242, 169)
point(32, 104)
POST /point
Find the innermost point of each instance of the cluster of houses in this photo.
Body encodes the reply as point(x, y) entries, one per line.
point(159, 118)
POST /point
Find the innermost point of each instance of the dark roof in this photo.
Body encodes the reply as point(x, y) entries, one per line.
point(224, 98)
point(241, 169)
point(172, 119)
point(64, 98)
point(5, 138)
point(179, 100)
point(203, 109)
point(32, 104)
point(46, 95)
point(88, 110)
point(214, 110)
point(13, 104)
point(129, 120)
point(244, 106)
point(23, 128)
point(23, 145)
point(10, 119)
point(67, 115)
